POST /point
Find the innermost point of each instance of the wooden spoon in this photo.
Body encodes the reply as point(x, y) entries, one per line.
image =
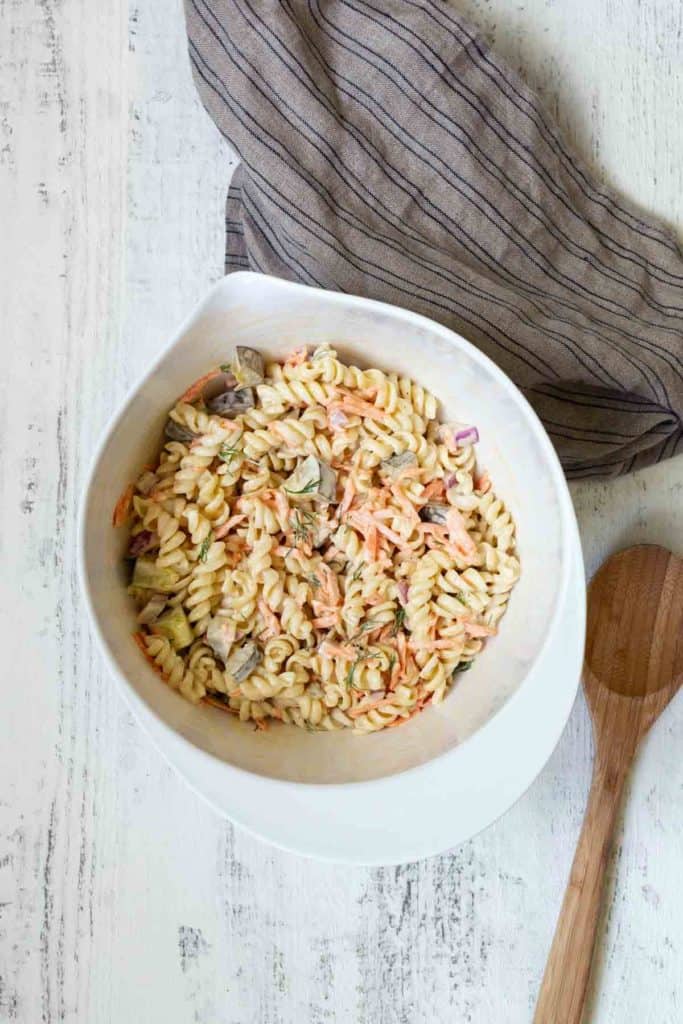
point(633, 667)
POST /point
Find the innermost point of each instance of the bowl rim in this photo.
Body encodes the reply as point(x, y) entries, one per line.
point(569, 534)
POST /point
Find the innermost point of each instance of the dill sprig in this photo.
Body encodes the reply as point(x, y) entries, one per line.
point(399, 620)
point(464, 666)
point(228, 452)
point(307, 488)
point(366, 627)
point(204, 549)
point(363, 656)
point(304, 522)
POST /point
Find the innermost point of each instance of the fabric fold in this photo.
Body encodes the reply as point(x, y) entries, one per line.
point(385, 151)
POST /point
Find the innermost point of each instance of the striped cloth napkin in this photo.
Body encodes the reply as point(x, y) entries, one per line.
point(385, 151)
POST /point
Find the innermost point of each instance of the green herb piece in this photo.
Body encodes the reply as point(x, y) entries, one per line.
point(361, 657)
point(313, 580)
point(392, 662)
point(464, 666)
point(226, 367)
point(204, 549)
point(366, 627)
point(228, 452)
point(311, 486)
point(303, 524)
point(461, 599)
point(399, 619)
point(357, 574)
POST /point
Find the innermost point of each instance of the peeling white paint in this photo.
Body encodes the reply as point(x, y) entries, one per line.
point(122, 897)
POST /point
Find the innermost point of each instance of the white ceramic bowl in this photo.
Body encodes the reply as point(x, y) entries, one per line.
point(501, 715)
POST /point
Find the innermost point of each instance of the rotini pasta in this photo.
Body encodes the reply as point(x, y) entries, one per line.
point(313, 547)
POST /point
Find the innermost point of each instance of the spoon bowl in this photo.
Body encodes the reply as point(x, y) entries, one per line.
point(634, 643)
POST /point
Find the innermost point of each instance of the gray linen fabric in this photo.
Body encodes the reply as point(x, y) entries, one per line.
point(385, 151)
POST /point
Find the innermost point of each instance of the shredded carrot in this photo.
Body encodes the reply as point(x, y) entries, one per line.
point(262, 724)
point(356, 406)
point(362, 708)
point(282, 550)
point(221, 705)
point(271, 620)
point(388, 702)
point(328, 649)
point(123, 506)
point(436, 645)
point(326, 621)
point(434, 528)
point(458, 535)
point(371, 542)
point(450, 549)
point(384, 513)
point(434, 489)
point(297, 356)
point(140, 641)
point(227, 526)
point(395, 538)
point(330, 588)
point(348, 496)
point(402, 721)
point(195, 390)
point(401, 646)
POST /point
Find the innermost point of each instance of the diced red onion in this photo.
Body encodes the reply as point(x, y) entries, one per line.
point(466, 434)
point(403, 593)
point(450, 481)
point(376, 694)
point(142, 542)
point(460, 433)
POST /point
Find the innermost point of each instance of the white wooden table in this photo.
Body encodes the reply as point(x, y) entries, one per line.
point(122, 897)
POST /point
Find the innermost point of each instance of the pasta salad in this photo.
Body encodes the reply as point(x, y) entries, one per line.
point(313, 546)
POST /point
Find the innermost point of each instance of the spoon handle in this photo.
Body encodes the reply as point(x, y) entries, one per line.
point(565, 982)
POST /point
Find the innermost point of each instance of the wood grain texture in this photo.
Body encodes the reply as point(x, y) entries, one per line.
point(122, 897)
point(633, 669)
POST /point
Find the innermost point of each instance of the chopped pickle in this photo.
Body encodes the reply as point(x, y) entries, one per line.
point(175, 627)
point(248, 367)
point(148, 576)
